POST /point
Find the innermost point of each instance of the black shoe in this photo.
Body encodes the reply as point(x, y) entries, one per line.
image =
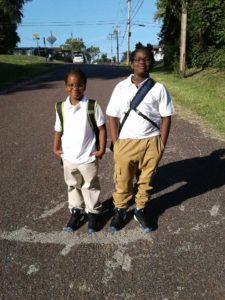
point(139, 215)
point(118, 221)
point(77, 216)
point(92, 222)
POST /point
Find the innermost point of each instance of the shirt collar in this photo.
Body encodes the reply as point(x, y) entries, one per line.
point(140, 84)
point(68, 104)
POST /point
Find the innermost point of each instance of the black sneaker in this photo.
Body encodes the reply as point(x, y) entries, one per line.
point(77, 216)
point(92, 222)
point(139, 215)
point(118, 220)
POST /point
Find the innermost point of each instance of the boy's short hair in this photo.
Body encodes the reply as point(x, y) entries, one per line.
point(148, 48)
point(77, 72)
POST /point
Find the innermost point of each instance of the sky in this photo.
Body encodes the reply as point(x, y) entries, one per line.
point(95, 21)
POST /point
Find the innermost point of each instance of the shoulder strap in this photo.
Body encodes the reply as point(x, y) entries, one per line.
point(139, 96)
point(59, 109)
point(91, 109)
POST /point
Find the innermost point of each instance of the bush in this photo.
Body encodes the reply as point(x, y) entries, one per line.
point(212, 57)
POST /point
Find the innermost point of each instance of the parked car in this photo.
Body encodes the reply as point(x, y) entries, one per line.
point(78, 58)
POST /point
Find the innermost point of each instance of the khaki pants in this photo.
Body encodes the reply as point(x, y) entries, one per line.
point(137, 158)
point(83, 186)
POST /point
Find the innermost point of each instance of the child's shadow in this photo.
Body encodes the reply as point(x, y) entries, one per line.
point(195, 176)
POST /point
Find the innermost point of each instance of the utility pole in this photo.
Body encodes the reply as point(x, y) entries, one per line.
point(128, 31)
point(116, 31)
point(183, 35)
point(111, 37)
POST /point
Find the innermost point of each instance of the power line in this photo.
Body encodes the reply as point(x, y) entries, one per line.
point(78, 23)
point(137, 10)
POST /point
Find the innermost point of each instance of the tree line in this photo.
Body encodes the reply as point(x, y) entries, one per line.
point(205, 36)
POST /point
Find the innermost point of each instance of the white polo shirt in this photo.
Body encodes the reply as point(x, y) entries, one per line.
point(156, 104)
point(78, 139)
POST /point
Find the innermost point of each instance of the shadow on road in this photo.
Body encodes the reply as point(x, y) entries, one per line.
point(195, 176)
point(198, 175)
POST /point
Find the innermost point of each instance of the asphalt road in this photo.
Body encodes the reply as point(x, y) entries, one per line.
point(184, 258)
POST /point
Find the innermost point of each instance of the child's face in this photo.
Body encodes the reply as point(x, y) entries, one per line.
point(75, 87)
point(141, 63)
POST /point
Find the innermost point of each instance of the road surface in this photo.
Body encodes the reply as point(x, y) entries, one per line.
point(184, 258)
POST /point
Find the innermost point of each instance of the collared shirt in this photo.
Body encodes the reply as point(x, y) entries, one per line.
point(155, 105)
point(78, 139)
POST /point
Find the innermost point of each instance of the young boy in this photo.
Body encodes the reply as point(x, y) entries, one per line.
point(139, 146)
point(75, 143)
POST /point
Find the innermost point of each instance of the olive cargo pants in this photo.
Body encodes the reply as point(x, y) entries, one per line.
point(137, 158)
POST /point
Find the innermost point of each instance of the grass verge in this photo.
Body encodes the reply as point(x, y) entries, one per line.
point(202, 93)
point(14, 68)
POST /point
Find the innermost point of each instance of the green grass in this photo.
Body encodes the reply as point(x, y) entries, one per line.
point(14, 68)
point(202, 92)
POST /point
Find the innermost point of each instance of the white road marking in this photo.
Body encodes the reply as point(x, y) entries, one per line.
point(214, 211)
point(182, 207)
point(119, 260)
point(32, 269)
point(50, 212)
point(69, 240)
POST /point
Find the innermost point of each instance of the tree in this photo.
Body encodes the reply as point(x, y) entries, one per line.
point(205, 32)
point(169, 12)
point(10, 16)
point(124, 57)
point(72, 44)
point(183, 35)
point(104, 58)
point(92, 52)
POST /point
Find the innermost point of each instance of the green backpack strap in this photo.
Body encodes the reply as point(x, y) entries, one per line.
point(91, 109)
point(59, 110)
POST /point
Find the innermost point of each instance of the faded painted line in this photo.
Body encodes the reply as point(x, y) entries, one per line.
point(69, 240)
point(52, 211)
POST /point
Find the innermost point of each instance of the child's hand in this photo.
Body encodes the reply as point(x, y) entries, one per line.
point(58, 152)
point(98, 154)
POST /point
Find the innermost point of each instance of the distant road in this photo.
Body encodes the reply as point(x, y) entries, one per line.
point(183, 259)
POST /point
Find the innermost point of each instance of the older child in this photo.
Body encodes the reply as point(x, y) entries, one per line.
point(139, 145)
point(75, 143)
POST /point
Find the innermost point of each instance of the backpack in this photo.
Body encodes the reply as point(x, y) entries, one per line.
point(91, 108)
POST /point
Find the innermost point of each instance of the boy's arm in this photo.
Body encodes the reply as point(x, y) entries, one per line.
point(102, 141)
point(113, 127)
point(165, 129)
point(57, 143)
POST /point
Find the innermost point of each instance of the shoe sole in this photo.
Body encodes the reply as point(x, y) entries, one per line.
point(68, 229)
point(92, 230)
point(114, 229)
point(145, 229)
